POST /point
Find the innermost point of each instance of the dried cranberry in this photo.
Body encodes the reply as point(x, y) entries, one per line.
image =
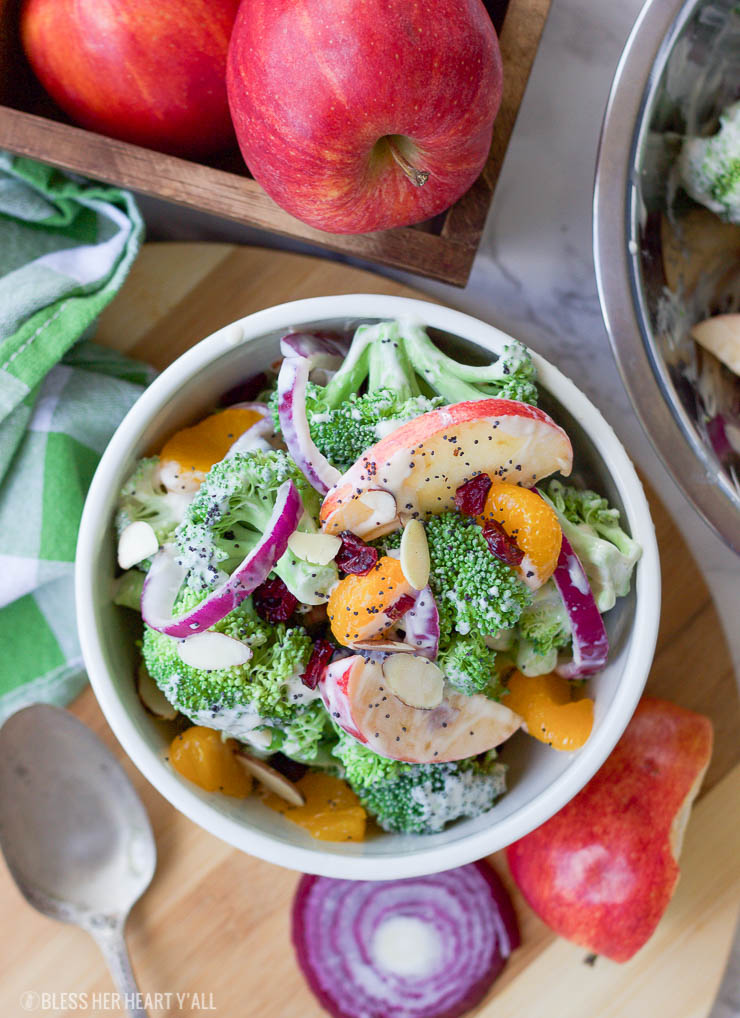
point(470, 497)
point(273, 602)
point(320, 657)
point(246, 391)
point(355, 556)
point(290, 769)
point(501, 544)
point(400, 607)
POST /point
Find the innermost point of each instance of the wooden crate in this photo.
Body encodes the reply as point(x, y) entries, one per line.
point(442, 248)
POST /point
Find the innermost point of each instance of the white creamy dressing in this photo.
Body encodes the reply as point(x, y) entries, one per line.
point(384, 428)
point(180, 484)
point(576, 576)
point(236, 722)
point(298, 693)
point(461, 796)
point(406, 946)
point(255, 437)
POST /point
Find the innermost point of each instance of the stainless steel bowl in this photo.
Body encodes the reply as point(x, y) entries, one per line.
point(679, 68)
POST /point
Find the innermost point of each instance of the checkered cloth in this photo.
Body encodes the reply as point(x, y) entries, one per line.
point(66, 245)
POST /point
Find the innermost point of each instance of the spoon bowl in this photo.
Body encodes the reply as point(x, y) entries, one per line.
point(74, 833)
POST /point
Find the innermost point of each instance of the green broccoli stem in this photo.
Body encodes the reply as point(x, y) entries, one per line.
point(353, 371)
point(442, 373)
point(389, 366)
point(447, 376)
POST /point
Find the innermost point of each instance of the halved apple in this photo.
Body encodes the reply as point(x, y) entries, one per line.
point(602, 871)
point(423, 462)
point(359, 698)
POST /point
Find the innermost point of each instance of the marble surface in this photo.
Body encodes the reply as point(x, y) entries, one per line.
point(534, 276)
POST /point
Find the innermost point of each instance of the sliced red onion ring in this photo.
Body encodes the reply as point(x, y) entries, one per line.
point(422, 624)
point(590, 642)
point(255, 437)
point(316, 468)
point(428, 947)
point(166, 575)
point(323, 350)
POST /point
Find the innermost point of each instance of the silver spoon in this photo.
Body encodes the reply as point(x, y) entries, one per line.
point(73, 831)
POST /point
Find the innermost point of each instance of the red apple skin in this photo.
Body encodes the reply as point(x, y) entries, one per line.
point(151, 73)
point(315, 84)
point(602, 871)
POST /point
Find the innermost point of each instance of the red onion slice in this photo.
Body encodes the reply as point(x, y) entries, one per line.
point(422, 624)
point(166, 575)
point(428, 947)
point(316, 468)
point(590, 642)
point(323, 350)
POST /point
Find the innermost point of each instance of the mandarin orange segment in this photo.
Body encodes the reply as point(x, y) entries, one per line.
point(532, 523)
point(357, 605)
point(203, 757)
point(196, 449)
point(331, 812)
point(546, 705)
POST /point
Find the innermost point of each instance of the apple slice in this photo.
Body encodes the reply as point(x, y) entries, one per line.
point(699, 245)
point(720, 335)
point(424, 461)
point(359, 698)
point(602, 871)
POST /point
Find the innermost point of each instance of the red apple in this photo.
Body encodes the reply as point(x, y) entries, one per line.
point(357, 694)
point(416, 469)
point(149, 73)
point(602, 871)
point(362, 116)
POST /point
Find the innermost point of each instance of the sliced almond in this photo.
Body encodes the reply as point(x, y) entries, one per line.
point(377, 511)
point(414, 680)
point(720, 335)
point(137, 542)
point(273, 780)
point(212, 651)
point(317, 548)
point(415, 554)
point(152, 697)
point(384, 646)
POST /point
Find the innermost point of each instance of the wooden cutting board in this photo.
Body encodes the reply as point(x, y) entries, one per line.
point(215, 922)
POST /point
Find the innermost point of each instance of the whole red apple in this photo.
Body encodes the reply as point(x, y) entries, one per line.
point(152, 72)
point(602, 871)
point(358, 116)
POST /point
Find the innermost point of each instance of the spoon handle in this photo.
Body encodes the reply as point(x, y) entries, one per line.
point(112, 943)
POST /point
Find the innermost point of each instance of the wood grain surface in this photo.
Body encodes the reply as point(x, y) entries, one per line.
point(215, 922)
point(443, 248)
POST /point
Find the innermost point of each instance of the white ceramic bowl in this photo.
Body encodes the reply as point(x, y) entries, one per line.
point(541, 780)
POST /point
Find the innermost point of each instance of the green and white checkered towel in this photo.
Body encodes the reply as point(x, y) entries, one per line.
point(66, 245)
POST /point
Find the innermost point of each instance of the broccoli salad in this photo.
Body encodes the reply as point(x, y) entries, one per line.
point(356, 588)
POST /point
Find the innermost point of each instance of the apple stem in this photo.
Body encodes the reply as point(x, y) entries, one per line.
point(417, 177)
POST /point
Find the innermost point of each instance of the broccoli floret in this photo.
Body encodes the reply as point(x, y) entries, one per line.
point(469, 665)
point(543, 628)
point(420, 798)
point(343, 434)
point(475, 591)
point(229, 515)
point(392, 373)
point(308, 736)
point(128, 589)
point(236, 699)
point(512, 376)
point(594, 530)
point(144, 497)
point(544, 623)
point(709, 168)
